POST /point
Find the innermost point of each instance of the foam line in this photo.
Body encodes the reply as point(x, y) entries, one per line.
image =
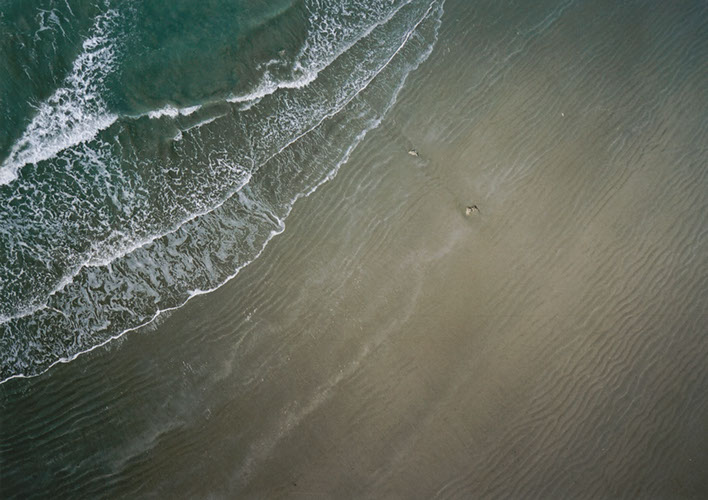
point(95, 261)
point(197, 292)
point(269, 86)
point(76, 112)
point(173, 112)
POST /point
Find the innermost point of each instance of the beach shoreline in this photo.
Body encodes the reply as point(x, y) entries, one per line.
point(389, 344)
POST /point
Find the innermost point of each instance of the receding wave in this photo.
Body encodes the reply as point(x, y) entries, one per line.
point(76, 112)
point(171, 205)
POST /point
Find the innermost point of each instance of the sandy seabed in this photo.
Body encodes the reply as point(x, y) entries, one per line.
point(386, 345)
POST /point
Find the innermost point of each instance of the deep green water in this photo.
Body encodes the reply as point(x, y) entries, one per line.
point(150, 152)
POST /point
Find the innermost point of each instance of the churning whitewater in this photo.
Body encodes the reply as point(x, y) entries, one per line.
point(124, 195)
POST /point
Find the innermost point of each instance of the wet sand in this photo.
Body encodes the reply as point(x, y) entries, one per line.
point(387, 345)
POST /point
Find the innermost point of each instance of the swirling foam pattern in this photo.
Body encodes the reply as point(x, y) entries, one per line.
point(120, 203)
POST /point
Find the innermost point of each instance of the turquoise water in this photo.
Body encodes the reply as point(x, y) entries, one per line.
point(149, 153)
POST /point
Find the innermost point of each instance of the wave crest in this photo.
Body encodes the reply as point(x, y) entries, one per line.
point(76, 112)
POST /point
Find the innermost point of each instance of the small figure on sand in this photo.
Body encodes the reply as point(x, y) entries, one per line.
point(413, 152)
point(472, 209)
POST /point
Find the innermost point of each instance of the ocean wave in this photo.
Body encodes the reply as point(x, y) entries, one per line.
point(77, 112)
point(137, 276)
point(74, 113)
point(280, 131)
point(173, 112)
point(319, 51)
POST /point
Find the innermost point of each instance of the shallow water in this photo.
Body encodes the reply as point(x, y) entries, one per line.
point(382, 343)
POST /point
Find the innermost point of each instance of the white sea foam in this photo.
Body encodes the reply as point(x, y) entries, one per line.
point(104, 259)
point(48, 20)
point(97, 261)
point(76, 112)
point(317, 54)
point(158, 313)
point(173, 112)
point(127, 245)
